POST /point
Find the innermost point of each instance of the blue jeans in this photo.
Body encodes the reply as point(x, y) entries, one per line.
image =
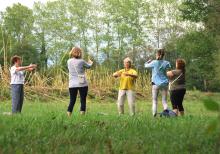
point(17, 94)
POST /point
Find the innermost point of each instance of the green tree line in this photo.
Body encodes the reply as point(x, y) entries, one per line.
point(109, 30)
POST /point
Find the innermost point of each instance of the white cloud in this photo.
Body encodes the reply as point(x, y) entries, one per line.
point(28, 3)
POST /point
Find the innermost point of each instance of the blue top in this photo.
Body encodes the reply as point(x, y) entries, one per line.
point(159, 70)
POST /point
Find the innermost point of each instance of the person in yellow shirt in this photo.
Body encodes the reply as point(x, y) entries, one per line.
point(127, 80)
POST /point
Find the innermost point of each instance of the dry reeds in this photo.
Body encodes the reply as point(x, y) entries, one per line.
point(54, 84)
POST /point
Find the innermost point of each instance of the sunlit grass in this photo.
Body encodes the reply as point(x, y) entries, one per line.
point(43, 127)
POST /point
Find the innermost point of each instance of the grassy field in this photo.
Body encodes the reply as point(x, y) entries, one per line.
point(43, 127)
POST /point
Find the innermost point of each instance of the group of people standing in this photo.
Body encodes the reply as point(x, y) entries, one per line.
point(163, 79)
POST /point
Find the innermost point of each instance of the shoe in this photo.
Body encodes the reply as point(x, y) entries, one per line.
point(82, 112)
point(69, 114)
point(155, 114)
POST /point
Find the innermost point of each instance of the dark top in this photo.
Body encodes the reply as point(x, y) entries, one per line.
point(178, 80)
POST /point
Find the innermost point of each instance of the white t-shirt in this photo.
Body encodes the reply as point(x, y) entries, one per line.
point(17, 77)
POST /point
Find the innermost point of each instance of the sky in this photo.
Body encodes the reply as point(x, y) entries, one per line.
point(28, 3)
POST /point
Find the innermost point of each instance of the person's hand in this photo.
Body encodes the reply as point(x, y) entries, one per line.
point(32, 66)
point(35, 66)
point(116, 75)
point(150, 60)
point(30, 69)
point(90, 61)
point(126, 74)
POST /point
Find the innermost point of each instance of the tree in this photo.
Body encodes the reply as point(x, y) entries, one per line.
point(207, 12)
point(17, 26)
point(198, 49)
point(40, 27)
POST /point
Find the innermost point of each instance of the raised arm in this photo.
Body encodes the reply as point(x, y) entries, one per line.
point(149, 64)
point(88, 64)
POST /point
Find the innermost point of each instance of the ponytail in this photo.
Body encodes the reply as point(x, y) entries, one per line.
point(160, 53)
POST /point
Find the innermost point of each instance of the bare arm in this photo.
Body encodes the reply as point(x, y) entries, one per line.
point(131, 75)
point(116, 74)
point(170, 74)
point(149, 64)
point(28, 68)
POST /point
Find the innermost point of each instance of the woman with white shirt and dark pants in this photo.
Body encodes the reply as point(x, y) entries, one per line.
point(17, 82)
point(77, 80)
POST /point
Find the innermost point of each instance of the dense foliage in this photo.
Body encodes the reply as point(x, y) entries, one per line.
point(109, 30)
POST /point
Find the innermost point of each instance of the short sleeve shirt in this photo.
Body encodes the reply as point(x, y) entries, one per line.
point(178, 80)
point(17, 77)
point(159, 69)
point(127, 82)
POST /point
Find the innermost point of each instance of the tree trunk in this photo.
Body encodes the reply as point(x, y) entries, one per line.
point(43, 55)
point(205, 84)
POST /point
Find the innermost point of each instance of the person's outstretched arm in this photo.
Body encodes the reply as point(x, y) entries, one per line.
point(31, 67)
point(149, 64)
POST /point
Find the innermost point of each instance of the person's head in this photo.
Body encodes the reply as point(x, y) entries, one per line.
point(160, 54)
point(180, 64)
point(16, 60)
point(127, 62)
point(76, 52)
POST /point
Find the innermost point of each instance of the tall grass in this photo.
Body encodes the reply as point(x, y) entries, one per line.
point(53, 83)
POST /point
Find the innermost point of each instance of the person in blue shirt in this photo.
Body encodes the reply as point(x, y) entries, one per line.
point(159, 79)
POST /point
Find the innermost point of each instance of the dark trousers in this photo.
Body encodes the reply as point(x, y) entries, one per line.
point(176, 97)
point(17, 94)
point(83, 91)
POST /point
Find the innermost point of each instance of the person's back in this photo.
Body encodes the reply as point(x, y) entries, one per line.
point(77, 79)
point(76, 67)
point(159, 69)
point(159, 79)
point(177, 80)
point(177, 86)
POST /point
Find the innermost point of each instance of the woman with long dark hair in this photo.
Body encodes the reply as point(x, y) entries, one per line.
point(159, 79)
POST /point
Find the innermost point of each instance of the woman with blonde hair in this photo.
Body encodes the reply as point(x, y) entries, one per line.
point(77, 80)
point(177, 86)
point(127, 81)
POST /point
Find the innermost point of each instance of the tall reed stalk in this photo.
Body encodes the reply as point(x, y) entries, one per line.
point(53, 83)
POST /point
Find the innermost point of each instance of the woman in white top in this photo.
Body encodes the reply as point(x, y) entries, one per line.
point(17, 82)
point(77, 80)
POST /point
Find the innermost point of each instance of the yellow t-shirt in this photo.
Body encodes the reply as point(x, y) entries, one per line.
point(127, 82)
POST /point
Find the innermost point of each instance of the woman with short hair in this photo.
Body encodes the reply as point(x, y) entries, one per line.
point(127, 81)
point(77, 80)
point(17, 82)
point(177, 86)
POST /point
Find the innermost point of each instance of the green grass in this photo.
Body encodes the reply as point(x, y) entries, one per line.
point(44, 128)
